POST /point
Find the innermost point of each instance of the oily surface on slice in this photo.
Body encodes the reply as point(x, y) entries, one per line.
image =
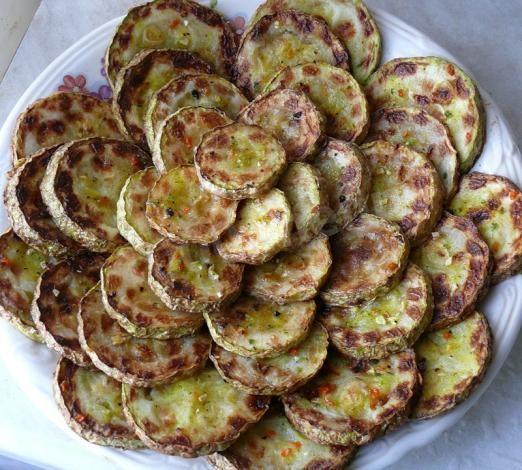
point(135, 361)
point(56, 303)
point(192, 277)
point(255, 328)
point(178, 208)
point(90, 402)
point(389, 324)
point(192, 416)
point(369, 257)
point(20, 269)
point(494, 204)
point(291, 117)
point(60, 118)
point(129, 299)
point(172, 24)
point(82, 185)
point(458, 262)
point(284, 39)
point(335, 93)
point(453, 362)
point(406, 188)
point(274, 375)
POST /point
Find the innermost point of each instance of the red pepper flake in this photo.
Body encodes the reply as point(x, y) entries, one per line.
point(287, 452)
point(447, 335)
point(297, 445)
point(63, 385)
point(270, 433)
point(80, 418)
point(401, 93)
point(375, 397)
point(187, 141)
point(104, 201)
point(175, 23)
point(5, 261)
point(186, 210)
point(293, 352)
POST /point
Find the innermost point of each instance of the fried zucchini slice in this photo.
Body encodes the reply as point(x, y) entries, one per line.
point(282, 39)
point(453, 362)
point(135, 361)
point(81, 187)
point(178, 208)
point(305, 190)
point(335, 93)
point(131, 219)
point(60, 118)
point(458, 262)
point(192, 278)
point(56, 302)
point(206, 90)
point(20, 269)
point(406, 188)
point(420, 131)
point(292, 276)
point(26, 210)
point(172, 24)
point(343, 405)
point(148, 72)
point(292, 118)
point(349, 20)
point(90, 402)
point(128, 298)
point(239, 161)
point(347, 182)
point(442, 89)
point(494, 204)
point(274, 444)
point(254, 328)
point(274, 375)
point(262, 229)
point(389, 324)
point(369, 257)
point(192, 416)
point(180, 134)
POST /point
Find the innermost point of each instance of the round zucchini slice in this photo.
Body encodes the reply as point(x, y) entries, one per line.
point(284, 39)
point(148, 72)
point(350, 21)
point(20, 269)
point(131, 360)
point(60, 118)
point(192, 278)
point(494, 204)
point(389, 324)
point(172, 24)
point(180, 134)
point(81, 187)
point(292, 118)
point(453, 362)
point(292, 276)
point(209, 91)
point(254, 328)
point(406, 188)
point(26, 210)
point(343, 405)
point(335, 93)
point(305, 189)
point(129, 299)
point(347, 182)
point(130, 211)
point(274, 444)
point(239, 161)
point(192, 416)
point(369, 257)
point(420, 131)
point(443, 90)
point(90, 402)
point(262, 229)
point(56, 302)
point(458, 263)
point(274, 375)
point(178, 208)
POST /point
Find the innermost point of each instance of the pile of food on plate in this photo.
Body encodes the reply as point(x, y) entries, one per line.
point(276, 203)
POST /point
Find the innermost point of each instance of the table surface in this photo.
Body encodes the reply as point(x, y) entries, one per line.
point(487, 39)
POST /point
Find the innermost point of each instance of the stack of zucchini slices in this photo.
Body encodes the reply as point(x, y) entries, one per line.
point(274, 203)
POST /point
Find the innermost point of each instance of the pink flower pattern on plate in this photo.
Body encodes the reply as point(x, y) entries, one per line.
point(76, 84)
point(238, 24)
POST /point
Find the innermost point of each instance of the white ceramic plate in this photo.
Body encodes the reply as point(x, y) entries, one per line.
point(31, 365)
